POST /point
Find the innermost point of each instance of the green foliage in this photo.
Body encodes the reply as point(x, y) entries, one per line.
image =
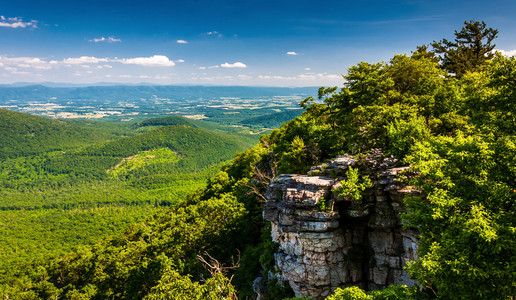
point(381, 103)
point(399, 292)
point(24, 135)
point(278, 290)
point(151, 258)
point(254, 259)
point(295, 156)
point(165, 121)
point(491, 95)
point(393, 292)
point(466, 222)
point(402, 134)
point(273, 120)
point(350, 293)
point(174, 286)
point(292, 153)
point(143, 163)
point(54, 201)
point(470, 50)
point(353, 186)
point(322, 205)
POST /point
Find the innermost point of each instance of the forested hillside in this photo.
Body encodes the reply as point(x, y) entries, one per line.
point(24, 134)
point(455, 128)
point(69, 183)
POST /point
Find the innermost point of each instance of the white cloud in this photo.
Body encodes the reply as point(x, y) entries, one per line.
point(234, 65)
point(213, 78)
point(308, 69)
point(25, 62)
point(180, 60)
point(292, 53)
point(303, 77)
point(182, 42)
point(277, 77)
point(202, 68)
point(153, 61)
point(109, 40)
point(42, 67)
point(318, 76)
point(17, 23)
point(214, 33)
point(506, 53)
point(105, 67)
point(244, 77)
point(84, 60)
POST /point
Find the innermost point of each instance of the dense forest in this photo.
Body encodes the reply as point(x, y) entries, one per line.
point(69, 183)
point(446, 110)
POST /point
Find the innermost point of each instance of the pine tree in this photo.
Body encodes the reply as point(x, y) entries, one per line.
point(470, 49)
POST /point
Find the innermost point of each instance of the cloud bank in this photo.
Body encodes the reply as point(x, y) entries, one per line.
point(506, 53)
point(17, 23)
point(84, 60)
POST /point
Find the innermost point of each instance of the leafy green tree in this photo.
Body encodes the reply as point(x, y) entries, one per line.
point(351, 293)
point(353, 186)
point(466, 220)
point(471, 48)
point(393, 292)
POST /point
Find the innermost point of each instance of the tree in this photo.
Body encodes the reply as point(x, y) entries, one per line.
point(471, 48)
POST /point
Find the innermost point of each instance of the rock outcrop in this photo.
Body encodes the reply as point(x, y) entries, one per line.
point(352, 244)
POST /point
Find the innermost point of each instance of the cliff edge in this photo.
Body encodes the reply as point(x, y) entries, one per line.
point(348, 244)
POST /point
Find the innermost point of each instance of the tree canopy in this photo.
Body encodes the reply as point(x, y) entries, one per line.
point(470, 49)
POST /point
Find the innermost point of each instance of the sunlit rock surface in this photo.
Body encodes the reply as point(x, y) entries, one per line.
point(353, 244)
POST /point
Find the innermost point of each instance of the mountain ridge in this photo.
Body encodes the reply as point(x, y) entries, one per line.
point(40, 92)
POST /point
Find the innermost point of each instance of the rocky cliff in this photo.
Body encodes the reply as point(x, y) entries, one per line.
point(353, 243)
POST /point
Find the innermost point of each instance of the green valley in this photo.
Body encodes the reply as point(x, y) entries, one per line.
point(66, 183)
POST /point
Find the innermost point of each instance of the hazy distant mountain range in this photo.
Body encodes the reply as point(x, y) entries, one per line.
point(51, 91)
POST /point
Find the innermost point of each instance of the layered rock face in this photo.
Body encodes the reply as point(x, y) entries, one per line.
point(352, 244)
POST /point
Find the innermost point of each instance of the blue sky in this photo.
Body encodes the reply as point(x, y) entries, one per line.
point(227, 42)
